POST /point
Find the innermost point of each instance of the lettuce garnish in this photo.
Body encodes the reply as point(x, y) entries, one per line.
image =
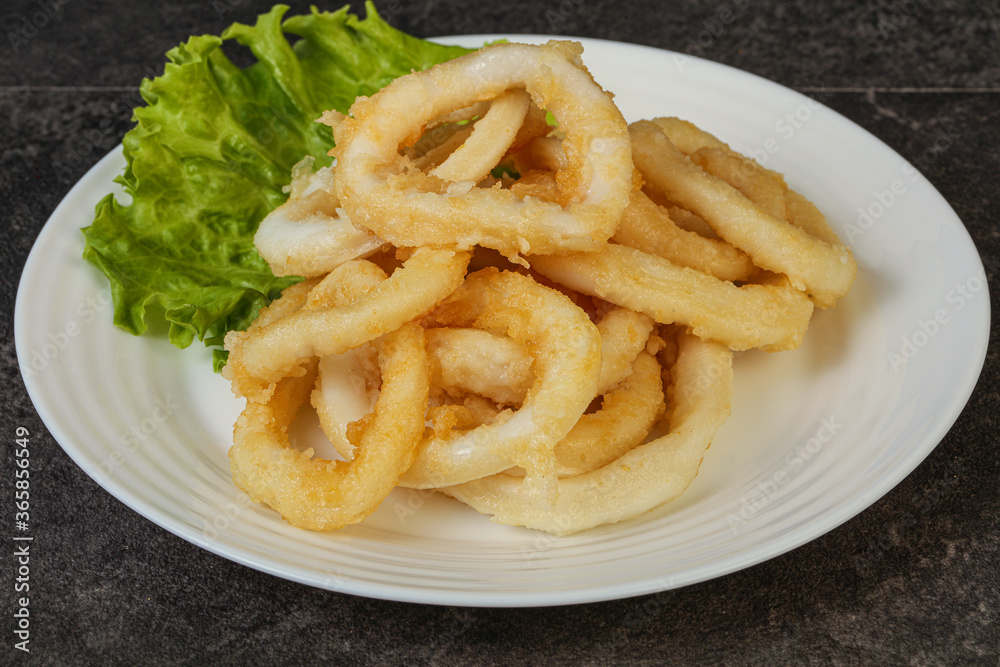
point(211, 152)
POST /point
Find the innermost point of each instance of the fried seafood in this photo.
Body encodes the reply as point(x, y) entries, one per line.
point(773, 317)
point(324, 495)
point(565, 347)
point(545, 326)
point(261, 356)
point(823, 269)
point(310, 234)
point(640, 479)
point(410, 208)
point(466, 360)
point(488, 142)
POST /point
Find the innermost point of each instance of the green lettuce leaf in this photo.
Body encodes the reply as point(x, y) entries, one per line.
point(209, 156)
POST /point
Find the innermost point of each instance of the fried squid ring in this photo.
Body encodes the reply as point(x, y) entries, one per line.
point(261, 357)
point(543, 154)
point(491, 136)
point(757, 184)
point(627, 414)
point(624, 334)
point(566, 349)
point(644, 225)
point(325, 495)
point(427, 155)
point(344, 284)
point(466, 360)
point(648, 227)
point(471, 360)
point(413, 209)
point(687, 136)
point(292, 298)
point(803, 213)
point(762, 186)
point(346, 383)
point(823, 269)
point(685, 219)
point(643, 478)
point(773, 317)
point(346, 391)
point(309, 235)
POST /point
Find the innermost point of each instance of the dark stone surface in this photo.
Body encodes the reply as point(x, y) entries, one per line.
point(915, 579)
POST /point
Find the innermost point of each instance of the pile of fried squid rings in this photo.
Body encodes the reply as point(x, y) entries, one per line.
point(535, 318)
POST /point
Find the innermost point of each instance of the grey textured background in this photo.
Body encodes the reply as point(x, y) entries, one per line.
point(915, 579)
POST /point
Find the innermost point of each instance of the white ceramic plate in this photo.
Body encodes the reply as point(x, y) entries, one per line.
point(816, 435)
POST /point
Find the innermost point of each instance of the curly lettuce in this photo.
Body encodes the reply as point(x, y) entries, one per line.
point(209, 156)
